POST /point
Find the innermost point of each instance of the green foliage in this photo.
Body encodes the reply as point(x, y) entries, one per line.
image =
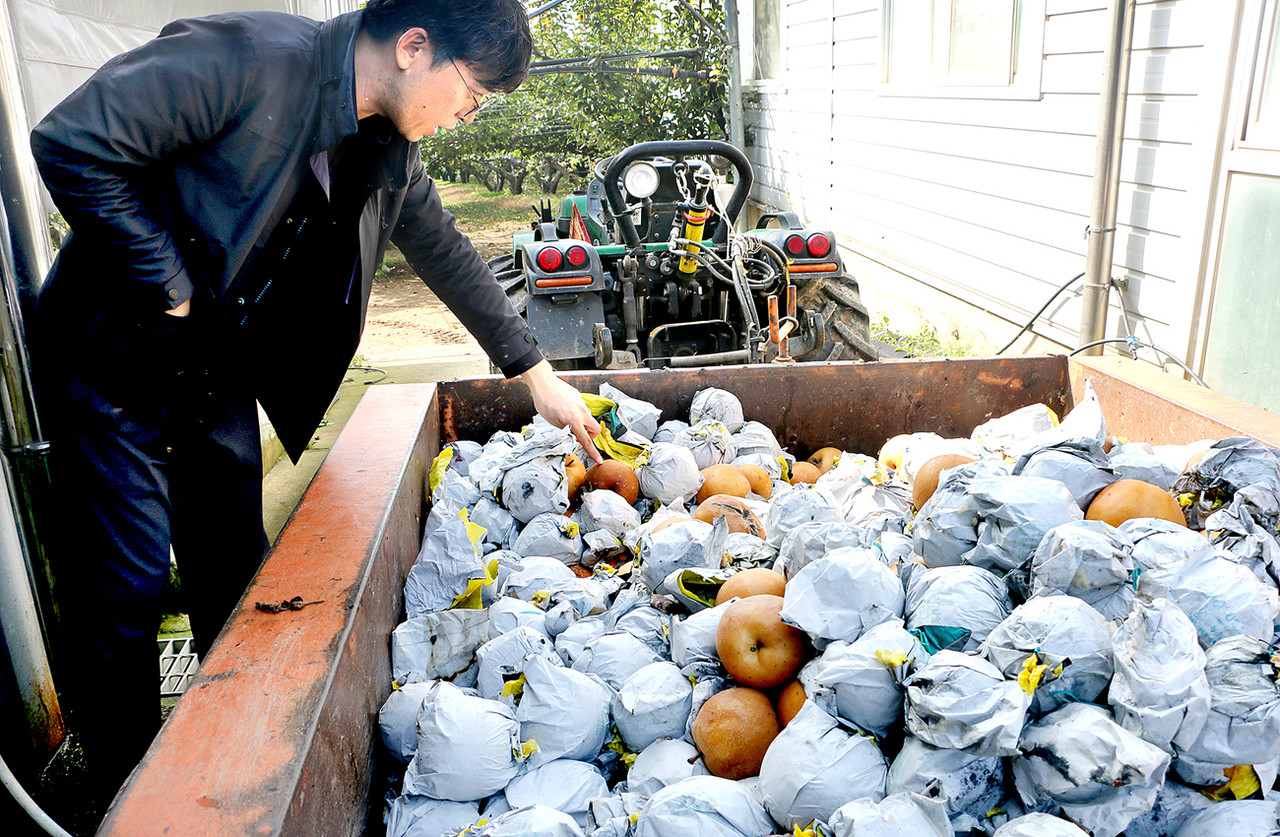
point(174, 626)
point(57, 228)
point(923, 342)
point(577, 118)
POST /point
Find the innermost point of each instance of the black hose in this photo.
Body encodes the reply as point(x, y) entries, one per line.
point(1134, 342)
point(703, 254)
point(370, 369)
point(766, 268)
point(779, 258)
point(707, 257)
point(1037, 314)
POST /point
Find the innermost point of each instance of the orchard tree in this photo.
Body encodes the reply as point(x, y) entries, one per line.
point(604, 77)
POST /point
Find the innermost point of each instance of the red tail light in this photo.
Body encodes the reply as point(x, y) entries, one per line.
point(819, 245)
point(576, 256)
point(549, 259)
point(794, 245)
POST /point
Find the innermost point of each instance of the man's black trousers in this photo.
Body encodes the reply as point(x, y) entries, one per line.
point(155, 443)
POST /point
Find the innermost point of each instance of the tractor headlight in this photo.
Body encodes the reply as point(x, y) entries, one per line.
point(640, 179)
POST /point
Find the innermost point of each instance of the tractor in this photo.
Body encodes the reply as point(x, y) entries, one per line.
point(644, 268)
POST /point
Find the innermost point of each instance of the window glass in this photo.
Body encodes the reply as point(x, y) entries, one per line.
point(767, 41)
point(961, 48)
point(982, 42)
point(1245, 323)
point(909, 37)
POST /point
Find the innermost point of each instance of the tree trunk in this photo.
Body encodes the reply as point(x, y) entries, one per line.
point(486, 174)
point(517, 185)
point(512, 170)
point(550, 173)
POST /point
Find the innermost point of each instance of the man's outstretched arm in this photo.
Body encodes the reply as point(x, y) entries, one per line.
point(562, 405)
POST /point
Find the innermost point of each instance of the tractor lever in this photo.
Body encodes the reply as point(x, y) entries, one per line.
point(781, 327)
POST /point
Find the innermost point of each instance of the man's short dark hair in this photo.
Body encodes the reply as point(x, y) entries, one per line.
point(492, 37)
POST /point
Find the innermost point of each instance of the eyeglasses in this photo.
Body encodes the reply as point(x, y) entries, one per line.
point(480, 102)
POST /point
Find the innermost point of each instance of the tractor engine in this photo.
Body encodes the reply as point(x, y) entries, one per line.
point(643, 267)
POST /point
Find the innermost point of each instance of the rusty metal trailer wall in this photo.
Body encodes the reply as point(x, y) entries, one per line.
point(855, 407)
point(278, 732)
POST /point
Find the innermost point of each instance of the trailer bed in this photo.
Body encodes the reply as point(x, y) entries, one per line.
point(277, 734)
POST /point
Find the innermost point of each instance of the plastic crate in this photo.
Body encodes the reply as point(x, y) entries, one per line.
point(178, 663)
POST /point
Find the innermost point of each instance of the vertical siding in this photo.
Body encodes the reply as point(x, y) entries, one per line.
point(988, 200)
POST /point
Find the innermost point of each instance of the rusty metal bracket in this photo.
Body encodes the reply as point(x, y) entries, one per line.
point(296, 603)
point(781, 327)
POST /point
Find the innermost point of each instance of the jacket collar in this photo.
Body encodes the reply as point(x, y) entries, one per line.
point(336, 50)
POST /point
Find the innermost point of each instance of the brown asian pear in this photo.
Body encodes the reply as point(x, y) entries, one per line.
point(755, 646)
point(733, 730)
point(1129, 499)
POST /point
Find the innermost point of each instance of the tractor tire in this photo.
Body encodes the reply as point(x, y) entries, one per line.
point(511, 278)
point(501, 264)
point(837, 305)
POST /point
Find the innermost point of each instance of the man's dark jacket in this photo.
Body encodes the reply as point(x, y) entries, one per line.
point(177, 161)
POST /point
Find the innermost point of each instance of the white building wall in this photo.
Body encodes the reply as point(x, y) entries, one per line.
point(978, 207)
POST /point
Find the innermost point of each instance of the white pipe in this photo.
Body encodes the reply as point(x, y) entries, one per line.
point(22, 226)
point(1106, 174)
point(24, 201)
point(736, 134)
point(20, 626)
point(24, 800)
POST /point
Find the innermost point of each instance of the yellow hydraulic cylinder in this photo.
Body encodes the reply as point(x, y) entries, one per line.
point(695, 220)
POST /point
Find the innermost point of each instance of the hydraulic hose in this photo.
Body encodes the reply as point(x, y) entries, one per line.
point(737, 279)
point(1133, 343)
point(779, 258)
point(24, 800)
point(1037, 314)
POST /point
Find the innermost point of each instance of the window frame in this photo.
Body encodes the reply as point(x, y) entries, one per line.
point(747, 47)
point(1026, 42)
point(1260, 129)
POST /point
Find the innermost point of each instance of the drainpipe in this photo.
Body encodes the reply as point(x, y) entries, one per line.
point(736, 136)
point(1106, 174)
point(21, 558)
point(25, 602)
point(23, 198)
point(735, 76)
point(23, 638)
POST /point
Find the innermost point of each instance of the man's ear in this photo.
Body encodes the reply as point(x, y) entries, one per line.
point(412, 46)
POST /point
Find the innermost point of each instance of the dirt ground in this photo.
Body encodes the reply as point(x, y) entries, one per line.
point(407, 322)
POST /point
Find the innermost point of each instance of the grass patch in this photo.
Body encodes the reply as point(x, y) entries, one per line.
point(174, 625)
point(476, 207)
point(923, 342)
point(394, 265)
